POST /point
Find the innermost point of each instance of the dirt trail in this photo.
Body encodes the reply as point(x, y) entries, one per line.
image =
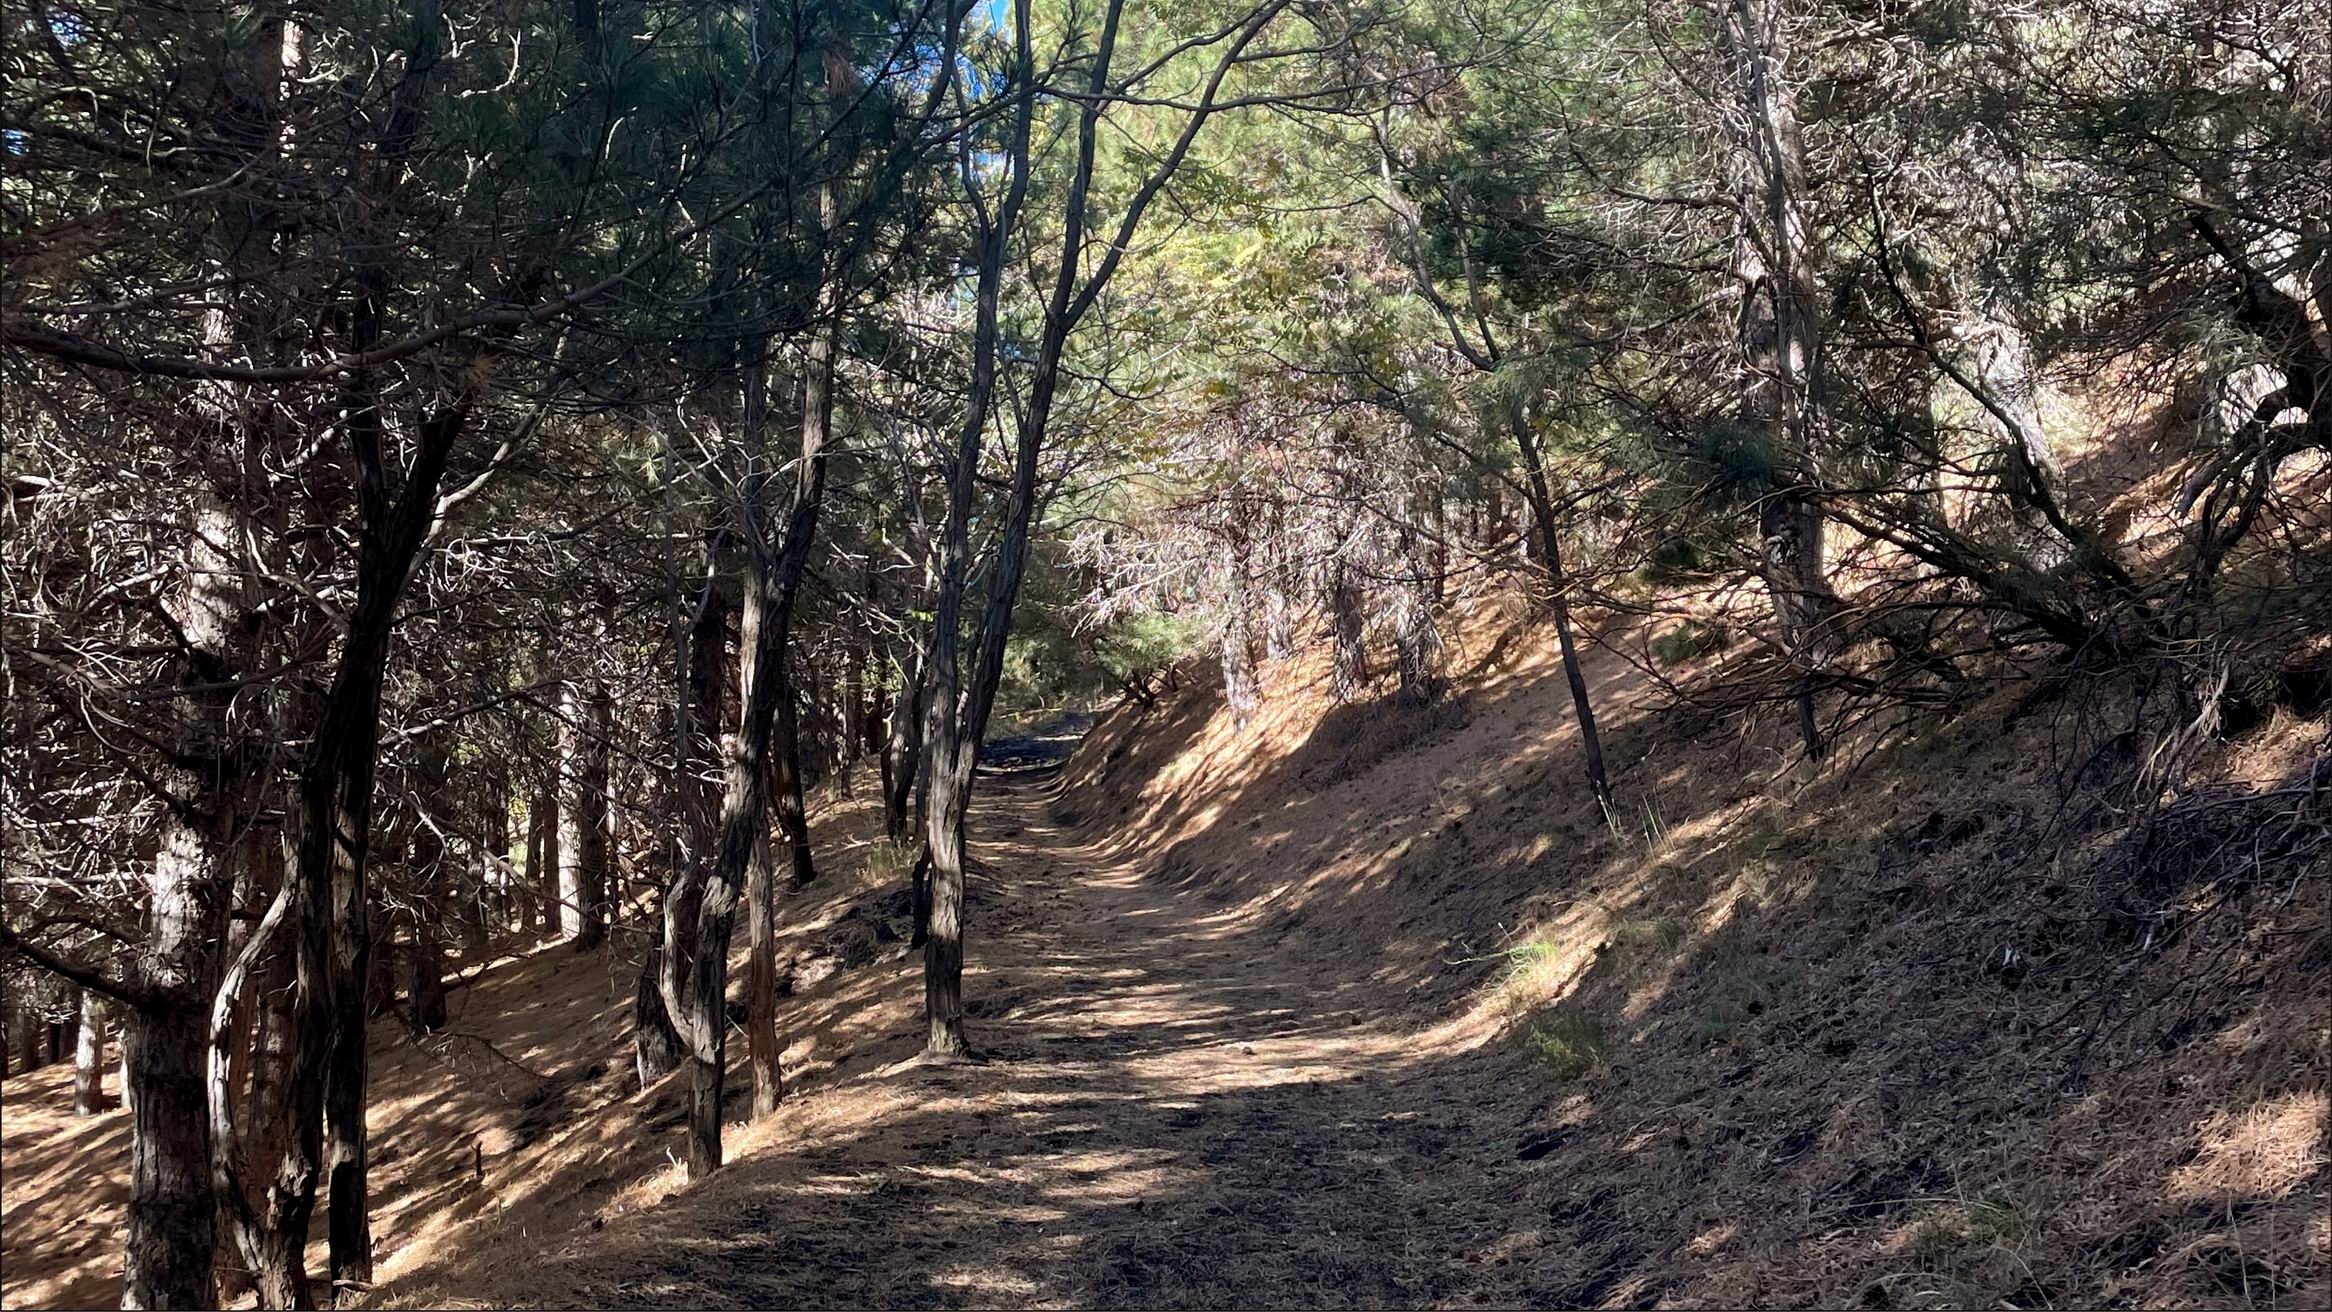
point(1173, 1111)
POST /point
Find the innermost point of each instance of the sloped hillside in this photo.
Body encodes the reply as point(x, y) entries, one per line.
point(1940, 1022)
point(1370, 1005)
point(521, 1123)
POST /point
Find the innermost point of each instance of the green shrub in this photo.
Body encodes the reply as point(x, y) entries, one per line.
point(1572, 1046)
point(1688, 641)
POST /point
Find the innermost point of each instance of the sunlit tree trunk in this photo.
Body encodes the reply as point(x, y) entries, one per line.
point(172, 1238)
point(89, 1057)
point(583, 847)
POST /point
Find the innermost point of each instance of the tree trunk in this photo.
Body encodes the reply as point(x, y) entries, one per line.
point(656, 1048)
point(24, 1039)
point(903, 752)
point(425, 972)
point(744, 822)
point(854, 713)
point(773, 577)
point(583, 847)
point(172, 1239)
point(488, 914)
point(429, 870)
point(545, 863)
point(658, 1045)
point(1544, 518)
point(380, 983)
point(270, 1232)
point(262, 1114)
point(336, 799)
point(793, 814)
point(761, 961)
point(1780, 334)
point(1349, 674)
point(89, 1057)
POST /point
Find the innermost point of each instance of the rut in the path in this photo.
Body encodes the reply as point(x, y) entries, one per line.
point(1170, 1115)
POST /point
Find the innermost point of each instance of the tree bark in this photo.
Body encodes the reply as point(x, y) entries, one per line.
point(1780, 335)
point(658, 1046)
point(89, 1057)
point(545, 863)
point(793, 813)
point(485, 917)
point(24, 1039)
point(1349, 668)
point(336, 798)
point(171, 1236)
point(583, 846)
point(1545, 520)
point(903, 752)
point(761, 962)
point(774, 573)
point(428, 869)
point(960, 705)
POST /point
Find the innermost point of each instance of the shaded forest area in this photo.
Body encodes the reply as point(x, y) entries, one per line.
point(538, 537)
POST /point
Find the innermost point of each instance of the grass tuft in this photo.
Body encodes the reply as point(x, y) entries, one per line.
point(1572, 1046)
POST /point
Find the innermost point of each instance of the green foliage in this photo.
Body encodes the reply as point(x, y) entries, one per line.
point(1687, 642)
point(1572, 1045)
point(1131, 650)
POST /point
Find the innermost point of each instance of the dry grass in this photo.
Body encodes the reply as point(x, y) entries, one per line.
point(1273, 1021)
point(533, 1072)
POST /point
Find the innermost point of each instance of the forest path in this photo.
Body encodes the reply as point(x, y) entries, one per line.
point(1170, 1111)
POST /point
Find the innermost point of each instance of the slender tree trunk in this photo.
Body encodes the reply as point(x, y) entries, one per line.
point(429, 870)
point(583, 845)
point(24, 1040)
point(336, 800)
point(761, 964)
point(272, 1259)
point(89, 1057)
point(793, 813)
point(960, 705)
point(1780, 334)
point(853, 705)
point(485, 917)
point(546, 857)
point(744, 812)
point(903, 753)
point(270, 1227)
point(955, 722)
point(1349, 673)
point(381, 975)
point(1550, 540)
point(774, 574)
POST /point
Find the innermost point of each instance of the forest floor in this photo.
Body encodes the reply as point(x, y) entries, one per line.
point(1166, 1110)
point(1367, 1005)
